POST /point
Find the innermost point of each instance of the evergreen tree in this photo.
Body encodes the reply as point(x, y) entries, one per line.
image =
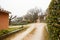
point(53, 20)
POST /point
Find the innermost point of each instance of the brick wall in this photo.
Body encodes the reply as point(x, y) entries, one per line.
point(4, 20)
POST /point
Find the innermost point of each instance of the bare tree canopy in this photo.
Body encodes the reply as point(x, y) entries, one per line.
point(32, 14)
point(11, 18)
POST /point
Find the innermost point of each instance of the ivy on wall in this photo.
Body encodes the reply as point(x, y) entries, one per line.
point(53, 20)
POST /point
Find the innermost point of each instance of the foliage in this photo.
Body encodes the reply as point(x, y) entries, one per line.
point(30, 17)
point(3, 32)
point(8, 30)
point(53, 20)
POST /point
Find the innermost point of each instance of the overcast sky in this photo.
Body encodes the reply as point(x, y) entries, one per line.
point(20, 7)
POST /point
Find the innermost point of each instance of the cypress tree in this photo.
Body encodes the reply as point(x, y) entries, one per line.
point(53, 20)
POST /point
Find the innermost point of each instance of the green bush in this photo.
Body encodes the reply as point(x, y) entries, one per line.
point(53, 20)
point(3, 32)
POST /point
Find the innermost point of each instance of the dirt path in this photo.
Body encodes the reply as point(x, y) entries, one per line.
point(40, 33)
point(20, 35)
point(36, 31)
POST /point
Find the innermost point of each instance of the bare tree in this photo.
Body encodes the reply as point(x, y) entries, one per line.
point(11, 18)
point(34, 14)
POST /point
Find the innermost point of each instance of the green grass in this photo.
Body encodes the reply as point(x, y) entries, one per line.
point(10, 30)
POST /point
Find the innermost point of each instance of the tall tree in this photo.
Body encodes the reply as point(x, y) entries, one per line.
point(28, 17)
point(53, 20)
point(34, 14)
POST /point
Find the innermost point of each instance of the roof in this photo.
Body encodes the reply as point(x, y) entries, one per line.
point(2, 10)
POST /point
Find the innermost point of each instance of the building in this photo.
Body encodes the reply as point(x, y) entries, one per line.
point(4, 19)
point(42, 17)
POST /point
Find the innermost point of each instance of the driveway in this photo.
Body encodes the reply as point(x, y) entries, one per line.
point(40, 33)
point(36, 31)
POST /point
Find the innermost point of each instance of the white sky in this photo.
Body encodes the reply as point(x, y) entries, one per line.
point(20, 7)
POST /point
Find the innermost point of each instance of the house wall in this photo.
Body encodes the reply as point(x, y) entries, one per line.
point(4, 20)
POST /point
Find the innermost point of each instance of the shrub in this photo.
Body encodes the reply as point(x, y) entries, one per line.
point(3, 32)
point(53, 20)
